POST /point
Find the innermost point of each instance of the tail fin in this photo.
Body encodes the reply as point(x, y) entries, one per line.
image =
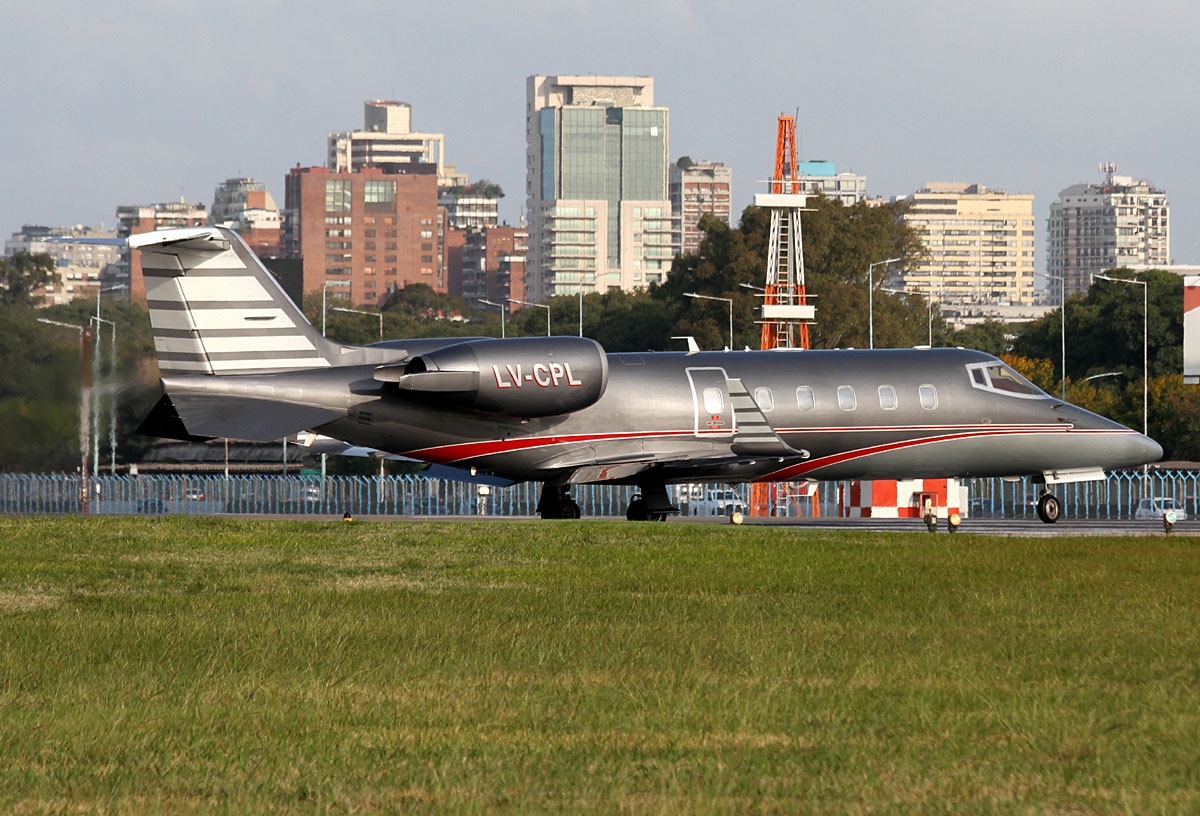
point(215, 309)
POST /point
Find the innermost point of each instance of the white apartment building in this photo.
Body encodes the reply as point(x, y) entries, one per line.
point(387, 140)
point(822, 177)
point(80, 260)
point(979, 249)
point(1118, 223)
point(596, 185)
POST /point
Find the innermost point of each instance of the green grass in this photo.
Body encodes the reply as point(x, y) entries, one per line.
point(180, 665)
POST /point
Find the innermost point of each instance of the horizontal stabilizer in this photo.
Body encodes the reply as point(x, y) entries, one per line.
point(163, 421)
point(244, 417)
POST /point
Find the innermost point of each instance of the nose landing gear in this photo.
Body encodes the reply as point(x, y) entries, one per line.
point(1049, 508)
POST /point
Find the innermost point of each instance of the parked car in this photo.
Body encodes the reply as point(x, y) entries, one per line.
point(711, 502)
point(1157, 508)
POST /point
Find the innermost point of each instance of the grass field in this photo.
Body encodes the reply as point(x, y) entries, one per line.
point(197, 665)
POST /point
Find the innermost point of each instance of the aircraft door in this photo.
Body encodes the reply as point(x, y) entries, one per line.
point(712, 405)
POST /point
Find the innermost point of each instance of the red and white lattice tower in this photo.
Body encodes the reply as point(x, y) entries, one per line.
point(785, 310)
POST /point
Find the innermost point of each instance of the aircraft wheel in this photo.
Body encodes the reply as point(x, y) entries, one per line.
point(637, 510)
point(1049, 508)
point(569, 510)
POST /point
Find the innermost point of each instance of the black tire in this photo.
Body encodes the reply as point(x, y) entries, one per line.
point(637, 510)
point(569, 510)
point(1049, 508)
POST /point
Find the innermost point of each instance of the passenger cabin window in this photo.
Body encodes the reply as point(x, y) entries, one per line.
point(714, 401)
point(887, 398)
point(764, 399)
point(846, 399)
point(1002, 379)
point(928, 395)
point(805, 399)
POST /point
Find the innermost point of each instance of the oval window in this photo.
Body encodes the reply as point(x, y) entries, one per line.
point(929, 399)
point(847, 401)
point(714, 400)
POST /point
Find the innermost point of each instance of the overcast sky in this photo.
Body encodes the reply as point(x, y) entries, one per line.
point(135, 103)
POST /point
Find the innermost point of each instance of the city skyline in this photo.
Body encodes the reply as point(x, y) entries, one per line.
point(124, 109)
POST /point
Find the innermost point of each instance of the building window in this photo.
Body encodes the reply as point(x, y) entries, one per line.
point(379, 192)
point(337, 195)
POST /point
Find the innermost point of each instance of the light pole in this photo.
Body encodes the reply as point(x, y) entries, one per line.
point(540, 306)
point(85, 398)
point(324, 289)
point(1062, 320)
point(96, 377)
point(871, 296)
point(728, 301)
point(595, 277)
point(1145, 345)
point(502, 309)
point(368, 314)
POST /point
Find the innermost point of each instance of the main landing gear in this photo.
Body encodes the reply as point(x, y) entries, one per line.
point(652, 504)
point(1049, 508)
point(556, 503)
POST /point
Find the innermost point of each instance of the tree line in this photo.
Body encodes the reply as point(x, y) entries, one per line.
point(39, 363)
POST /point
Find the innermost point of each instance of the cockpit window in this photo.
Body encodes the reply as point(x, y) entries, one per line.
point(1002, 379)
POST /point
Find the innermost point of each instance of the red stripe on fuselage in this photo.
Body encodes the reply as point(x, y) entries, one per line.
point(460, 451)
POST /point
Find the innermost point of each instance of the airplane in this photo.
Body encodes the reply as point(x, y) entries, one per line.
point(239, 360)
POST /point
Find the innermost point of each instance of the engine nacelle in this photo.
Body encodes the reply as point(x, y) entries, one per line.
point(518, 377)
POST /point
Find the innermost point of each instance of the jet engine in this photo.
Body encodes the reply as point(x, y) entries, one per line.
point(522, 377)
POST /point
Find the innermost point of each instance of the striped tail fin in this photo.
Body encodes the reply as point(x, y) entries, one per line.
point(215, 309)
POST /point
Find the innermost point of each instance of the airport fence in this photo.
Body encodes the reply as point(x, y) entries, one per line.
point(1116, 497)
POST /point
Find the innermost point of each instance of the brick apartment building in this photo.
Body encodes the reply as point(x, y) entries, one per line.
point(371, 231)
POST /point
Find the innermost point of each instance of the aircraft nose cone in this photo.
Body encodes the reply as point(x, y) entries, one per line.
point(1148, 449)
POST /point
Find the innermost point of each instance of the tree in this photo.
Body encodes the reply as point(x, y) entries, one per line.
point(22, 274)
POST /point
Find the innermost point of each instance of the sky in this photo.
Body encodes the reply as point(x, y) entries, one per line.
point(139, 102)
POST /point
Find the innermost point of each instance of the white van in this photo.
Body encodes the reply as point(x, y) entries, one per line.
point(702, 500)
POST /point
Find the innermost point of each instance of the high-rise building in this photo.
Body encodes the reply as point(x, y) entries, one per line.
point(365, 234)
point(596, 185)
point(246, 206)
point(822, 177)
point(138, 218)
point(1094, 227)
point(388, 142)
point(979, 249)
point(696, 189)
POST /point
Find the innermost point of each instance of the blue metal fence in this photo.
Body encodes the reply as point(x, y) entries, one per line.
point(25, 494)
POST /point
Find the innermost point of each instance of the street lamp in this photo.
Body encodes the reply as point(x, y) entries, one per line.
point(112, 417)
point(540, 306)
point(324, 289)
point(1145, 344)
point(728, 301)
point(368, 314)
point(928, 301)
point(871, 296)
point(1062, 320)
point(502, 309)
point(85, 398)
